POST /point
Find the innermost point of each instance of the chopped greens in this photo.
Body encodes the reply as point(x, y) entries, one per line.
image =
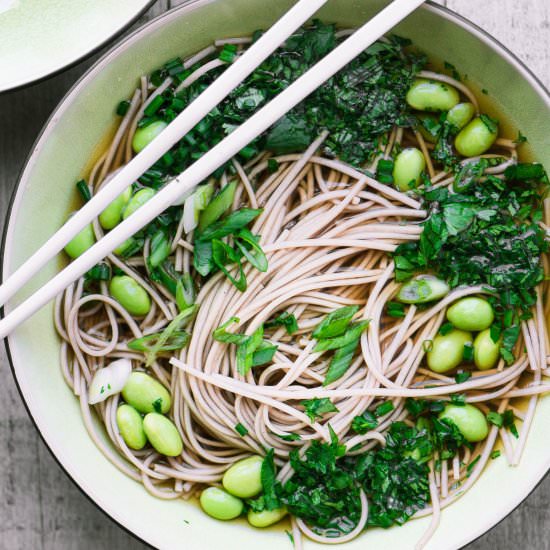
point(315, 408)
point(286, 320)
point(486, 234)
point(252, 350)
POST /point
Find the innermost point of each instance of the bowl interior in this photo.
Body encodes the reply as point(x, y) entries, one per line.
point(46, 193)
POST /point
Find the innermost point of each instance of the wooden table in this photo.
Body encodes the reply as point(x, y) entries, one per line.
point(40, 508)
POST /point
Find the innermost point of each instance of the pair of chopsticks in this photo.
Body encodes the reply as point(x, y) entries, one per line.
point(205, 165)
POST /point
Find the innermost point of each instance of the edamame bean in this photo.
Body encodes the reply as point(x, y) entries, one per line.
point(221, 505)
point(137, 201)
point(430, 95)
point(408, 166)
point(147, 134)
point(475, 138)
point(461, 114)
point(243, 479)
point(130, 294)
point(79, 244)
point(111, 216)
point(422, 289)
point(146, 394)
point(130, 426)
point(447, 350)
point(162, 434)
point(486, 351)
point(266, 517)
point(471, 313)
point(469, 420)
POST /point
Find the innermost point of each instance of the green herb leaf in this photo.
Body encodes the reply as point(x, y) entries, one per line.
point(351, 336)
point(335, 323)
point(364, 423)
point(340, 362)
point(315, 408)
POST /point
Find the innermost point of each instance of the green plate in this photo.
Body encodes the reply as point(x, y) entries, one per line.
point(41, 37)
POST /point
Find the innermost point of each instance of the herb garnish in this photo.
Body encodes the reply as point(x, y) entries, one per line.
point(486, 234)
point(315, 408)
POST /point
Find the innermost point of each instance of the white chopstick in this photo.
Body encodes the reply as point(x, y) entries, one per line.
point(180, 126)
point(218, 155)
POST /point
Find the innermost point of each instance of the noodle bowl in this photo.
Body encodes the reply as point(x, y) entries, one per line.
point(329, 231)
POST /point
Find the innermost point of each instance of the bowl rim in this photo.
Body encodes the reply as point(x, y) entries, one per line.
point(112, 38)
point(188, 6)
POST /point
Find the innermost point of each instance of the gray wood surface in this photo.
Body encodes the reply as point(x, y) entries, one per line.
point(40, 508)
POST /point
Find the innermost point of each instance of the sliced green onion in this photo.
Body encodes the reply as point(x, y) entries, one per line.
point(218, 205)
point(422, 289)
point(352, 334)
point(162, 339)
point(122, 108)
point(84, 190)
point(194, 205)
point(154, 106)
point(335, 323)
point(245, 240)
point(340, 362)
point(100, 272)
point(160, 249)
point(185, 292)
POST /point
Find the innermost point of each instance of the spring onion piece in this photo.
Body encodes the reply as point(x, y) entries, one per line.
point(109, 380)
point(218, 206)
point(194, 204)
point(351, 335)
point(247, 243)
point(340, 362)
point(171, 336)
point(185, 292)
point(335, 323)
point(422, 289)
point(160, 249)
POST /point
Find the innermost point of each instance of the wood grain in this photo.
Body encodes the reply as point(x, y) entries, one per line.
point(40, 508)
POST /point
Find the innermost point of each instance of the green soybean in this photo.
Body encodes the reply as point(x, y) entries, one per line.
point(469, 420)
point(266, 517)
point(162, 434)
point(147, 134)
point(430, 95)
point(475, 138)
point(111, 216)
point(447, 350)
point(130, 294)
point(137, 201)
point(130, 425)
point(408, 166)
point(422, 289)
point(146, 394)
point(79, 244)
point(243, 479)
point(471, 313)
point(461, 114)
point(486, 351)
point(221, 505)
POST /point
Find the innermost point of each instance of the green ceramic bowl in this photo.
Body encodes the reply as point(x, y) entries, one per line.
point(44, 197)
